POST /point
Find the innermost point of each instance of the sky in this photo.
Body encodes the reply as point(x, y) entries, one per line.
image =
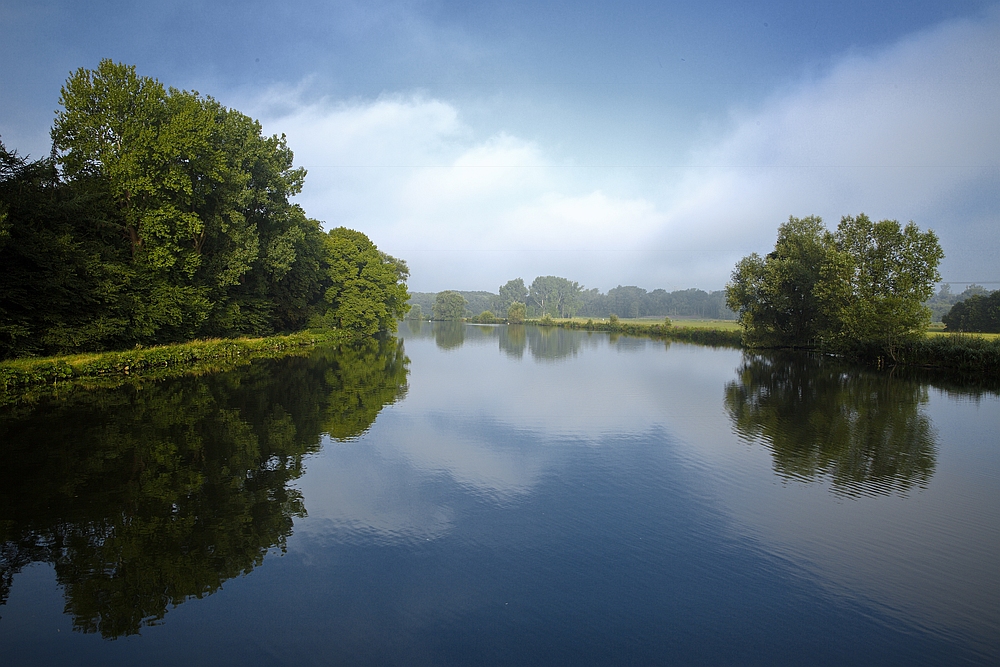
point(611, 143)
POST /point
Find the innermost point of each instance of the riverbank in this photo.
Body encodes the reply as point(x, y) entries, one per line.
point(112, 368)
point(971, 355)
point(712, 333)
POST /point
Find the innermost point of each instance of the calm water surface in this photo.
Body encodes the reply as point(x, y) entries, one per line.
point(505, 495)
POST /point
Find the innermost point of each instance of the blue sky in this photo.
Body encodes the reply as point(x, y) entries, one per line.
point(612, 143)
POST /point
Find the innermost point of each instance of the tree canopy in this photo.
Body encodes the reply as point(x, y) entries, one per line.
point(979, 312)
point(449, 305)
point(164, 216)
point(864, 283)
point(513, 291)
point(553, 295)
point(774, 295)
point(367, 291)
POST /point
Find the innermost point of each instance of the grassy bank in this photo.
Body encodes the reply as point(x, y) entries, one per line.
point(971, 356)
point(968, 354)
point(109, 368)
point(715, 333)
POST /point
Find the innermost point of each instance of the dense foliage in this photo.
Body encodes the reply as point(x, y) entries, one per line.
point(942, 302)
point(449, 305)
point(979, 313)
point(366, 292)
point(163, 216)
point(774, 295)
point(865, 283)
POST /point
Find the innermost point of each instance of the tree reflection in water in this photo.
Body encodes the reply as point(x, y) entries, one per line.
point(144, 498)
point(449, 335)
point(866, 431)
point(513, 340)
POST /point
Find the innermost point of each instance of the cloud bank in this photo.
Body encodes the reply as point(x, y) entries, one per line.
point(909, 132)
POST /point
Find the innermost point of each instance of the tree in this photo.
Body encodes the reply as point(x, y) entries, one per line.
point(865, 284)
point(367, 289)
point(511, 292)
point(627, 300)
point(449, 305)
point(977, 313)
point(874, 282)
point(773, 296)
point(516, 313)
point(554, 295)
point(200, 201)
point(63, 279)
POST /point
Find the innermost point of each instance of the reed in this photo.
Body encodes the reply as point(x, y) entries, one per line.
point(969, 354)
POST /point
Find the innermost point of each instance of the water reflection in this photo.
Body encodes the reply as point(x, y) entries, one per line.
point(142, 499)
point(543, 343)
point(449, 335)
point(868, 432)
point(513, 340)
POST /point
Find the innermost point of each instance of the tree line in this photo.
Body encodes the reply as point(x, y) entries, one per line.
point(560, 297)
point(163, 216)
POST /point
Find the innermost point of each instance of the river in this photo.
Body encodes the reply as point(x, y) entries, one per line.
point(466, 494)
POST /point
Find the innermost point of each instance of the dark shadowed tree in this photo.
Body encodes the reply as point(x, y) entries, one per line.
point(773, 296)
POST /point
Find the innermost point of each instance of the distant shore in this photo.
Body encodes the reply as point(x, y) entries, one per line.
point(972, 354)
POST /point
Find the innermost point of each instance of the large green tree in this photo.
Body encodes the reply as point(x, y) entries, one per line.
point(875, 280)
point(864, 284)
point(553, 295)
point(64, 279)
point(977, 313)
point(511, 292)
point(367, 290)
point(773, 296)
point(449, 305)
point(200, 201)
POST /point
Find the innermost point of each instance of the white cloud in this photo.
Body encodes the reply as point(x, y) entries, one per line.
point(898, 134)
point(911, 132)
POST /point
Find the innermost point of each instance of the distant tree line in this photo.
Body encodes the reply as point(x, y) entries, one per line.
point(560, 297)
point(163, 216)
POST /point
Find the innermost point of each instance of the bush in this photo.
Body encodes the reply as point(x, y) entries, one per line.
point(485, 317)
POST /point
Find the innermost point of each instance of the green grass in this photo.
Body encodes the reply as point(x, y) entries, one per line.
point(112, 368)
point(715, 333)
point(719, 325)
point(939, 333)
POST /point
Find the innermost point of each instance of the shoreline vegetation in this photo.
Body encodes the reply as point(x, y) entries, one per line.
point(971, 355)
point(703, 332)
point(162, 217)
point(20, 377)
